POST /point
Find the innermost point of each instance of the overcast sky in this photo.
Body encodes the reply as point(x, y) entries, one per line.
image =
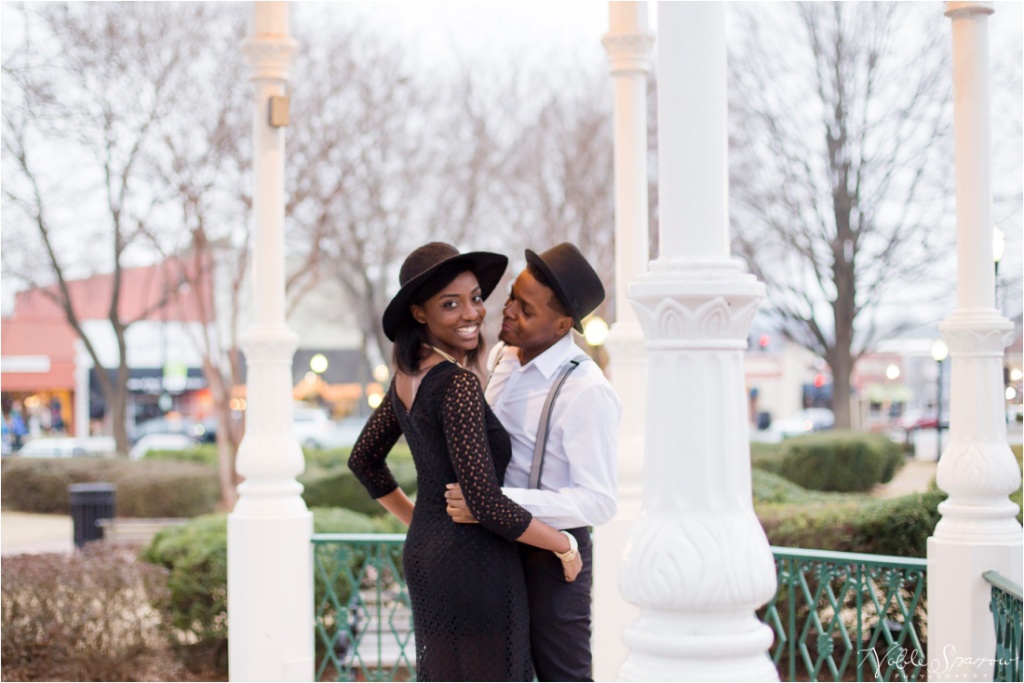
point(450, 33)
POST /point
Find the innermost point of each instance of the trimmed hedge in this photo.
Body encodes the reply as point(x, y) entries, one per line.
point(195, 555)
point(796, 518)
point(338, 487)
point(840, 461)
point(144, 489)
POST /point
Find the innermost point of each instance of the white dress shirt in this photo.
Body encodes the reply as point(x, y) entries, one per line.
point(578, 486)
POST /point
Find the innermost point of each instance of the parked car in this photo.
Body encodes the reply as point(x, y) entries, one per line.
point(315, 430)
point(311, 427)
point(804, 422)
point(162, 442)
point(53, 447)
point(205, 431)
point(345, 432)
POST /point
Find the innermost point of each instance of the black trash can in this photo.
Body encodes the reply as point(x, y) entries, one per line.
point(89, 504)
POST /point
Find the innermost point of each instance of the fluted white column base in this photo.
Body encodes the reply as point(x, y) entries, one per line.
point(697, 563)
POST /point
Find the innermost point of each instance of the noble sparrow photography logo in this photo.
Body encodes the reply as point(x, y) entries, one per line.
point(947, 667)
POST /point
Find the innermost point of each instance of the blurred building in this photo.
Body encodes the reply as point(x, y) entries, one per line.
point(47, 371)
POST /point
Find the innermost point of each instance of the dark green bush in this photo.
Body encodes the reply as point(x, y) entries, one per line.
point(338, 487)
point(858, 524)
point(840, 461)
point(195, 554)
point(205, 454)
point(144, 489)
point(766, 457)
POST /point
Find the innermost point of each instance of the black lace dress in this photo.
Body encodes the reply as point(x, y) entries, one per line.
point(470, 613)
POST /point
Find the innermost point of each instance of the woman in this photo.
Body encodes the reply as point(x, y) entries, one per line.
point(468, 595)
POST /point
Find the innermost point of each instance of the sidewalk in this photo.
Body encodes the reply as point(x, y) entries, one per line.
point(22, 533)
point(914, 477)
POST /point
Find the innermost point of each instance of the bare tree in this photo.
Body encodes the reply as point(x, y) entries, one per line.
point(84, 92)
point(203, 163)
point(367, 168)
point(840, 151)
point(559, 170)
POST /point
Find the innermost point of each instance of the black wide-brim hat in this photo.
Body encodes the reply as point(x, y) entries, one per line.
point(436, 258)
point(573, 279)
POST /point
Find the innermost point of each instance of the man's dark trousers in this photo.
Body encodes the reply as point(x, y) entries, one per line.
point(559, 612)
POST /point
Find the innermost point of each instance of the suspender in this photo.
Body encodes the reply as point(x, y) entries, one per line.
point(545, 418)
point(539, 447)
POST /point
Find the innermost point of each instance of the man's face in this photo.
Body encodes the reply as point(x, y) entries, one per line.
point(528, 320)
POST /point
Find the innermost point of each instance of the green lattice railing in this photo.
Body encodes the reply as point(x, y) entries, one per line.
point(866, 619)
point(1006, 604)
point(363, 616)
point(845, 614)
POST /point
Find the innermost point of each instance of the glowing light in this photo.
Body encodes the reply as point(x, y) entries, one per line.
point(595, 331)
point(1016, 375)
point(374, 399)
point(998, 245)
point(381, 373)
point(893, 371)
point(819, 381)
point(318, 363)
point(939, 350)
point(1011, 393)
point(310, 377)
point(763, 341)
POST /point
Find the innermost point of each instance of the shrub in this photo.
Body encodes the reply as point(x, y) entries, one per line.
point(766, 457)
point(82, 616)
point(338, 457)
point(195, 555)
point(894, 526)
point(338, 487)
point(840, 461)
point(205, 454)
point(144, 489)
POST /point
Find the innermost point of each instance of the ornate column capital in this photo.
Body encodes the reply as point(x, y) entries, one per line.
point(269, 57)
point(629, 52)
point(958, 10)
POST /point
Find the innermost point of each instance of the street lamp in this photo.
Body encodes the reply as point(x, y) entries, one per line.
point(939, 353)
point(998, 248)
point(595, 330)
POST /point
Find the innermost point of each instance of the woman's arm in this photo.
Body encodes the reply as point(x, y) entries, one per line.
point(369, 456)
point(462, 412)
point(398, 504)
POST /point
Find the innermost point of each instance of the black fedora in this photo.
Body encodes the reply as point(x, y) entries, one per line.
point(572, 278)
point(433, 259)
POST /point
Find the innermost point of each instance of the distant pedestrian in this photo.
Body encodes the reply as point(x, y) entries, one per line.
point(18, 428)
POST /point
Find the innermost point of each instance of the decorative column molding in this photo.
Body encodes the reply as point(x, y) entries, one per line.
point(629, 43)
point(978, 530)
point(270, 565)
point(697, 563)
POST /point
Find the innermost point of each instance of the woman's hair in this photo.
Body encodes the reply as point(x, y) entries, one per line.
point(412, 335)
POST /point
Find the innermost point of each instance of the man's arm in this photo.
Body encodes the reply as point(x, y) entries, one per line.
point(589, 430)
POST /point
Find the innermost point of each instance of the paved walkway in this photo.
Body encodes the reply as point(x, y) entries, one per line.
point(22, 532)
point(914, 477)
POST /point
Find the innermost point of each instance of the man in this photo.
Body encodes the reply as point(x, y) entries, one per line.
point(577, 484)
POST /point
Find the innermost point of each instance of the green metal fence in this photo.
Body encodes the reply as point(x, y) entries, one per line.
point(1006, 605)
point(363, 616)
point(840, 615)
point(835, 615)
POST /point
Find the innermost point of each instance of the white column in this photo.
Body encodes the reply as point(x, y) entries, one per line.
point(978, 530)
point(270, 561)
point(698, 564)
point(83, 363)
point(629, 42)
